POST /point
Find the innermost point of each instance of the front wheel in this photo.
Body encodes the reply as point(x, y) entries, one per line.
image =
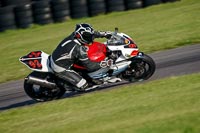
point(39, 93)
point(141, 68)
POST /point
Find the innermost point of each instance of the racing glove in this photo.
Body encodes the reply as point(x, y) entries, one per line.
point(101, 34)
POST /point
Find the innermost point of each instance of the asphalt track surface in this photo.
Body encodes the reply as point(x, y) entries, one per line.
point(179, 61)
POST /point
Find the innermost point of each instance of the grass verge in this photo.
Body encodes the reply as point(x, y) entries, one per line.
point(165, 106)
point(154, 28)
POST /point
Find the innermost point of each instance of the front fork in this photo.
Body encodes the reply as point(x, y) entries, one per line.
point(123, 65)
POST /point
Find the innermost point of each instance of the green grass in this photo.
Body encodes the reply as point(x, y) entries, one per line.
point(165, 106)
point(154, 28)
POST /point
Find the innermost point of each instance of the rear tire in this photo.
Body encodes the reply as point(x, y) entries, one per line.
point(39, 93)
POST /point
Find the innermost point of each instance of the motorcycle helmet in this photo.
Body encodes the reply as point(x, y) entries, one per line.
point(84, 33)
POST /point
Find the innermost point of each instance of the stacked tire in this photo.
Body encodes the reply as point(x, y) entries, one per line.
point(96, 7)
point(7, 18)
point(23, 16)
point(78, 8)
point(14, 2)
point(60, 10)
point(133, 4)
point(169, 1)
point(151, 2)
point(115, 5)
point(42, 12)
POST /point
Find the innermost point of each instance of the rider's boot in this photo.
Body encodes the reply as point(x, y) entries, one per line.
point(79, 83)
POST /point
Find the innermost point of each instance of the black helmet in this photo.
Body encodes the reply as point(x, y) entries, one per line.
point(84, 33)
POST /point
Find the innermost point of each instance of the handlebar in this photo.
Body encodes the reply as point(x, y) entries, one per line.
point(115, 39)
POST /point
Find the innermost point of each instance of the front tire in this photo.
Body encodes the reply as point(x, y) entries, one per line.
point(39, 93)
point(141, 68)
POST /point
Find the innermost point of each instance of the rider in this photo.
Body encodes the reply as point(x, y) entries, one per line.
point(72, 50)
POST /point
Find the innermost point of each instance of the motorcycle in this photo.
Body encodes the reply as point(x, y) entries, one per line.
point(119, 58)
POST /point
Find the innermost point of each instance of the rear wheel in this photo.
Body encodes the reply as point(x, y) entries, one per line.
point(141, 68)
point(40, 93)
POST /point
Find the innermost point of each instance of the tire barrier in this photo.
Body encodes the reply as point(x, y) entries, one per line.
point(60, 10)
point(7, 18)
point(23, 16)
point(96, 7)
point(42, 12)
point(151, 2)
point(169, 1)
point(78, 8)
point(133, 4)
point(115, 5)
point(24, 13)
point(14, 2)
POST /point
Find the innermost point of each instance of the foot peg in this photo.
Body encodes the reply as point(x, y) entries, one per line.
point(113, 80)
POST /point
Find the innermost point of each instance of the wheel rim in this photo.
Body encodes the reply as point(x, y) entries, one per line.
point(139, 70)
point(42, 94)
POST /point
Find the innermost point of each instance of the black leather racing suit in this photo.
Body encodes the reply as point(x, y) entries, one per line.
point(68, 52)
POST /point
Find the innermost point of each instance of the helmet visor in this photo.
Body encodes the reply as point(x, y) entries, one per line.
point(88, 37)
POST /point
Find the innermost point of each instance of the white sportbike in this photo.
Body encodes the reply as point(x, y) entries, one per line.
point(119, 58)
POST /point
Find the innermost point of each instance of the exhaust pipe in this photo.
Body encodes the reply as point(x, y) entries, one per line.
point(41, 82)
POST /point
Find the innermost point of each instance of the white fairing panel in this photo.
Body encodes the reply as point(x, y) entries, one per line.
point(120, 67)
point(45, 62)
point(126, 52)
